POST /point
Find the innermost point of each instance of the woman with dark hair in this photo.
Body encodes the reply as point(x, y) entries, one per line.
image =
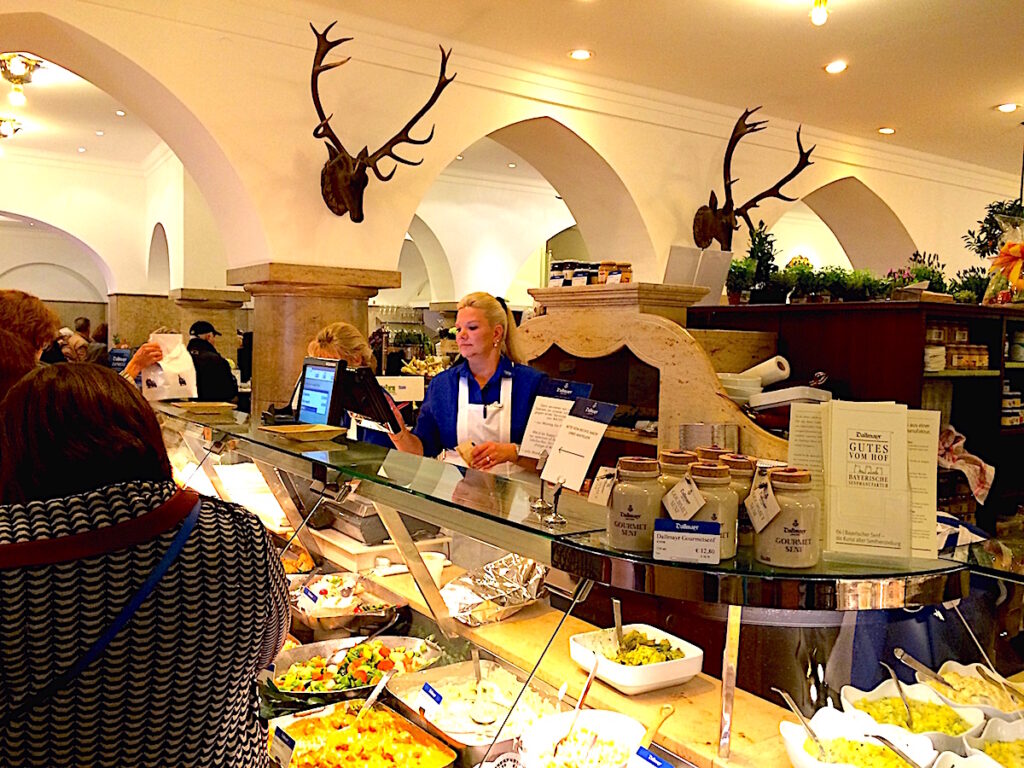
point(135, 617)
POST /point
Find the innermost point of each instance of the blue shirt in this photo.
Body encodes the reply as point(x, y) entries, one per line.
point(437, 422)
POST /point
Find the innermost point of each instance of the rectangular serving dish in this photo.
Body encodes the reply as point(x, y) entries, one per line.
point(471, 750)
point(634, 680)
point(447, 755)
point(332, 620)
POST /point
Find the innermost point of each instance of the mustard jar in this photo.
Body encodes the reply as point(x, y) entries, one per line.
point(741, 478)
point(674, 466)
point(711, 453)
point(636, 504)
point(720, 502)
point(793, 537)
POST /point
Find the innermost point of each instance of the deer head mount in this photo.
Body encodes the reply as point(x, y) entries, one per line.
point(344, 176)
point(714, 223)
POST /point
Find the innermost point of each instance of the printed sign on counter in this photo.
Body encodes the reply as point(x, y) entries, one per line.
point(554, 400)
point(428, 701)
point(577, 441)
point(403, 389)
point(281, 748)
point(687, 541)
point(644, 758)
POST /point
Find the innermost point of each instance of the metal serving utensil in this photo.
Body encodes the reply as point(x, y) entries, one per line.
point(899, 752)
point(1002, 682)
point(925, 672)
point(998, 679)
point(579, 705)
point(481, 712)
point(617, 614)
point(823, 754)
point(902, 693)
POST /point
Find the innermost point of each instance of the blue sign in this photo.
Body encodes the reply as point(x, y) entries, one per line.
point(564, 389)
point(669, 525)
point(593, 410)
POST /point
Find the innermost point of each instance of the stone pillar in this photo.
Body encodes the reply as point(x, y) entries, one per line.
point(131, 317)
point(222, 309)
point(291, 302)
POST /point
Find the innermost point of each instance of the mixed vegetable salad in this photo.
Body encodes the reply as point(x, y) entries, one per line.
point(363, 664)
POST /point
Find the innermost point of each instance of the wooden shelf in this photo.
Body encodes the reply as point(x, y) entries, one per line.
point(953, 373)
point(1019, 430)
point(629, 436)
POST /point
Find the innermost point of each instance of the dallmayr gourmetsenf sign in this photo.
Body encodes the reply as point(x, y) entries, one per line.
point(869, 459)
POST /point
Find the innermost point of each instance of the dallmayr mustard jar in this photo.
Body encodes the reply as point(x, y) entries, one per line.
point(712, 453)
point(720, 502)
point(636, 504)
point(793, 537)
point(674, 466)
point(741, 474)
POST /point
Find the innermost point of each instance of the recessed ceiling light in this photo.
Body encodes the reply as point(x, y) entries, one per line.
point(580, 54)
point(819, 13)
point(887, 131)
point(511, 165)
point(1008, 108)
point(835, 67)
point(99, 133)
point(119, 112)
point(81, 149)
point(459, 157)
point(17, 96)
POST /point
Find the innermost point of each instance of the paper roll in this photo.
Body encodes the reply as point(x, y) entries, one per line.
point(771, 371)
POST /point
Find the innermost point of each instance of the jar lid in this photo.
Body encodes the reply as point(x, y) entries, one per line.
point(638, 464)
point(624, 264)
point(738, 462)
point(711, 452)
point(607, 263)
point(679, 458)
point(708, 469)
point(793, 475)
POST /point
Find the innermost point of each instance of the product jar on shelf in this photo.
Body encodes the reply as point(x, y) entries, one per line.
point(721, 502)
point(741, 477)
point(636, 504)
point(675, 465)
point(792, 539)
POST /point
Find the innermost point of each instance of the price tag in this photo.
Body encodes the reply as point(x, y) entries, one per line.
point(762, 506)
point(281, 747)
point(601, 488)
point(682, 541)
point(644, 758)
point(614, 277)
point(428, 701)
point(266, 674)
point(310, 594)
point(684, 500)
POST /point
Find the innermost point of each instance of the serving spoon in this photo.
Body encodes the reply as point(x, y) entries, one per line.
point(579, 706)
point(823, 754)
point(902, 693)
point(925, 672)
point(481, 713)
point(899, 752)
point(617, 615)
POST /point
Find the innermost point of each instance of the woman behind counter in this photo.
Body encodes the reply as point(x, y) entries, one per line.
point(485, 399)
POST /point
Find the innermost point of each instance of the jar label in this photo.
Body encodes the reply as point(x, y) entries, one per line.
point(762, 506)
point(684, 500)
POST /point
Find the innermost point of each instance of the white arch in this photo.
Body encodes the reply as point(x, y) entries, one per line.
point(52, 274)
point(870, 232)
point(64, 44)
point(158, 266)
point(442, 286)
point(604, 209)
point(86, 248)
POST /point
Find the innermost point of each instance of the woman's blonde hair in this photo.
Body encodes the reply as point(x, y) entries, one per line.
point(497, 313)
point(342, 340)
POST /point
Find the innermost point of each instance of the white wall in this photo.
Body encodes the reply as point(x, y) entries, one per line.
point(164, 204)
point(415, 280)
point(243, 130)
point(48, 264)
point(799, 232)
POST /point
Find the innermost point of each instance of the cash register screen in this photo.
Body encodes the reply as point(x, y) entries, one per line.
point(317, 388)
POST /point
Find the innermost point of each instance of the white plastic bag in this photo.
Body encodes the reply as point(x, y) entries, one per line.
point(174, 377)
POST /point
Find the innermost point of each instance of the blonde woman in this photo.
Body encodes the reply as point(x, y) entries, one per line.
point(486, 399)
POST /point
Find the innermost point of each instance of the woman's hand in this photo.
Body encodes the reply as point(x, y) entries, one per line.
point(145, 356)
point(488, 455)
point(404, 439)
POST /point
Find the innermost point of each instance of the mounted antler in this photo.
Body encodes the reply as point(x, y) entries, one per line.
point(714, 223)
point(344, 176)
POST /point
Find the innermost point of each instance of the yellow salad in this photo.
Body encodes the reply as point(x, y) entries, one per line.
point(971, 690)
point(928, 717)
point(1008, 753)
point(856, 753)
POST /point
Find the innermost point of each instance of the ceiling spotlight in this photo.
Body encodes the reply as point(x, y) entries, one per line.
point(819, 13)
point(81, 149)
point(119, 112)
point(99, 133)
point(511, 165)
point(17, 68)
point(459, 157)
point(580, 54)
point(1007, 108)
point(8, 127)
point(887, 131)
point(835, 67)
point(17, 96)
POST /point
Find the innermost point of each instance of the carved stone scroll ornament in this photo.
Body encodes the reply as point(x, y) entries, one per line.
point(714, 223)
point(344, 176)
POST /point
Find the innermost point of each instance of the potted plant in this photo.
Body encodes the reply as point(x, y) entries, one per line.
point(926, 266)
point(806, 283)
point(762, 251)
point(860, 285)
point(985, 241)
point(968, 287)
point(832, 282)
point(740, 280)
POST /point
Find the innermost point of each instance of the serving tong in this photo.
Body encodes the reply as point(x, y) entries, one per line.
point(902, 693)
point(579, 706)
point(927, 673)
point(990, 674)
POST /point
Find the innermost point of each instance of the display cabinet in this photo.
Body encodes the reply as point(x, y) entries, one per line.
point(475, 517)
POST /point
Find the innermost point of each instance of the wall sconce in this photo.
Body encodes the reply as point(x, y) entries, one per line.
point(819, 13)
point(8, 127)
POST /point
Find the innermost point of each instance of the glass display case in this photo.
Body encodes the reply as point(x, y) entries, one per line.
point(809, 631)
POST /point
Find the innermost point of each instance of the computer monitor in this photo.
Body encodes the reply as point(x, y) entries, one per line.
point(318, 396)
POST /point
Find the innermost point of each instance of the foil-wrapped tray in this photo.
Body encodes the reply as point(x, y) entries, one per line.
point(494, 591)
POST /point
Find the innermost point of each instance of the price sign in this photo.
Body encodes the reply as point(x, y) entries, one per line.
point(684, 500)
point(688, 541)
point(281, 747)
point(428, 701)
point(644, 758)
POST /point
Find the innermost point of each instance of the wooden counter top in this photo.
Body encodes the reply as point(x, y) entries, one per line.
point(691, 732)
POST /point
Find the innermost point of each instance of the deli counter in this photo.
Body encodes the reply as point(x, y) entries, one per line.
point(389, 520)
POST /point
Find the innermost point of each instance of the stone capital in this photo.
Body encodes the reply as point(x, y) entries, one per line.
point(208, 299)
point(280, 279)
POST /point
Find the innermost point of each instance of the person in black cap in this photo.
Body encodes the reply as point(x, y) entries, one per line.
point(214, 379)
